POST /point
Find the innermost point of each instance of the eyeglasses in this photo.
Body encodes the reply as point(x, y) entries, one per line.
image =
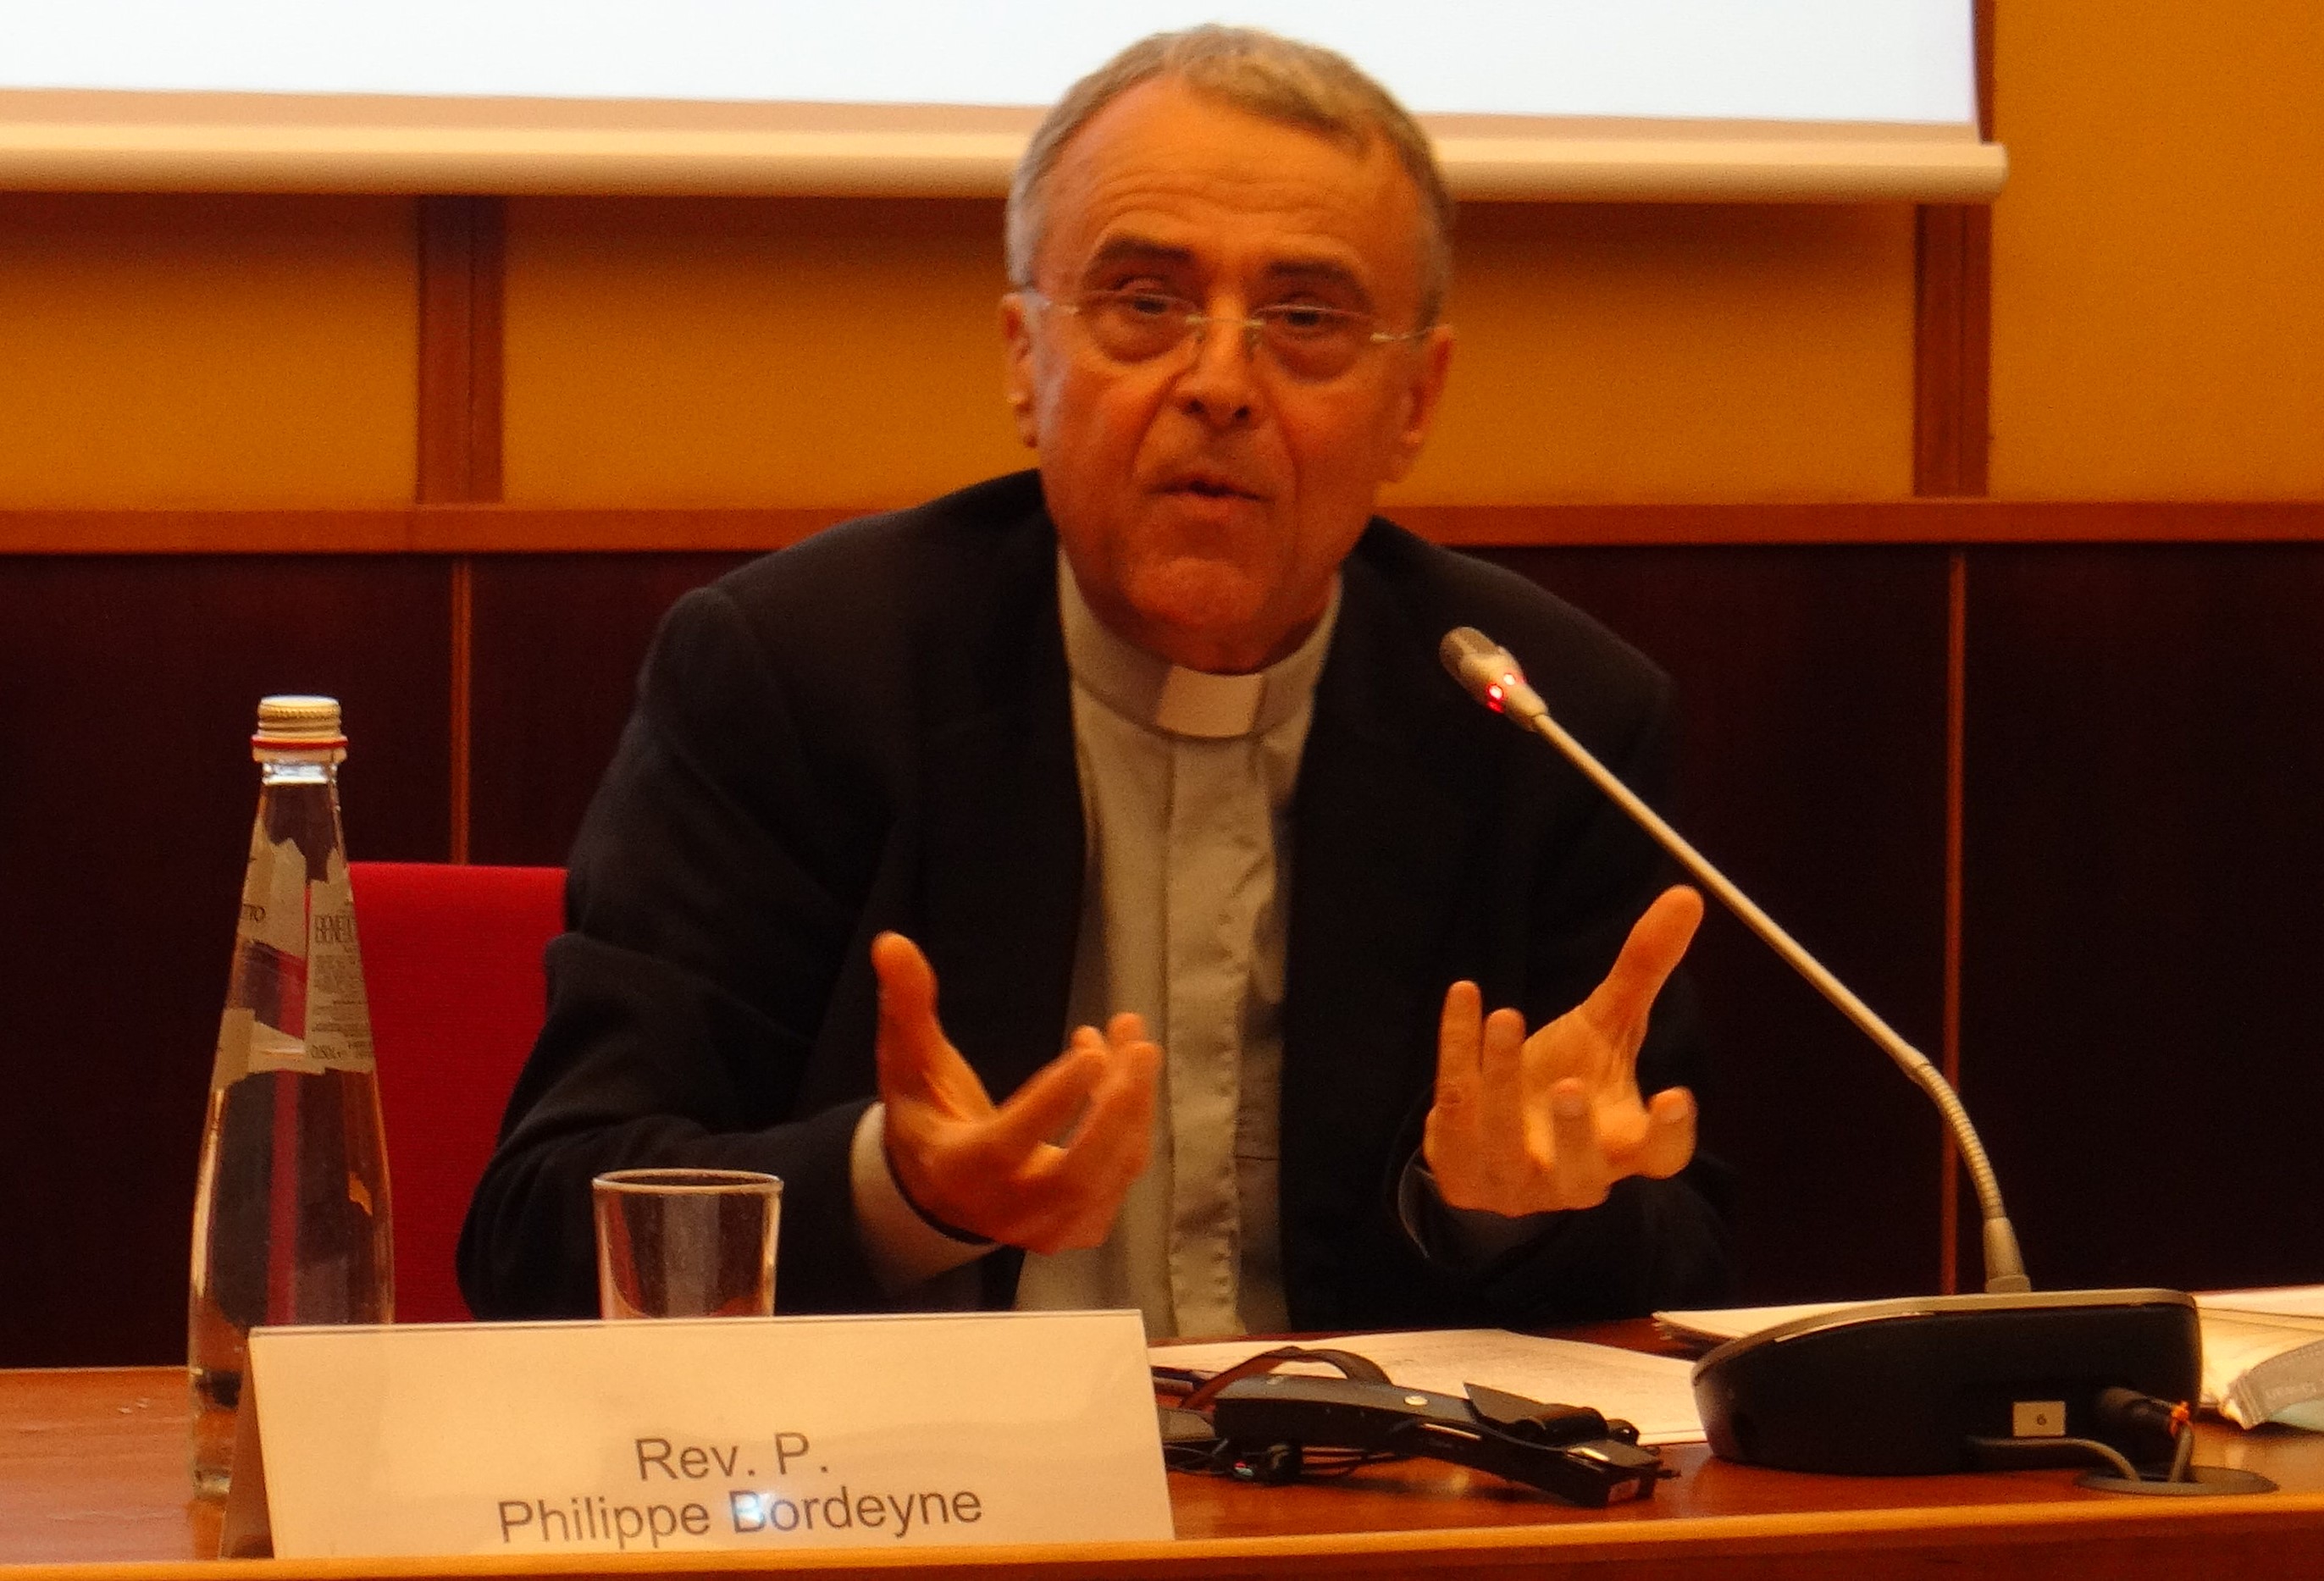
point(1306, 340)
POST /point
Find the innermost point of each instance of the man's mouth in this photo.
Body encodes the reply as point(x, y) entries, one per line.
point(1208, 486)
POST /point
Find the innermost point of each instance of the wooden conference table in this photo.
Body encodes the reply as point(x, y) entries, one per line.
point(93, 1480)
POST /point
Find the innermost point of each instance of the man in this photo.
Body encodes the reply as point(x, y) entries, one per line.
point(1153, 739)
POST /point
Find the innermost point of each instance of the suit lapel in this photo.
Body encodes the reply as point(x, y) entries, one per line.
point(1001, 868)
point(1381, 826)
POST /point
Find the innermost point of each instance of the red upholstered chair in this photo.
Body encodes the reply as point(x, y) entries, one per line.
point(452, 961)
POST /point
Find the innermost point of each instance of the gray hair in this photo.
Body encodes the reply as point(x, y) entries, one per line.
point(1262, 73)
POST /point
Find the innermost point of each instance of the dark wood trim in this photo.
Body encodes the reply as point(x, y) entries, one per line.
point(1951, 347)
point(1952, 323)
point(463, 698)
point(477, 530)
point(1956, 788)
point(460, 349)
point(462, 259)
point(1945, 521)
point(444, 529)
point(1983, 20)
point(523, 529)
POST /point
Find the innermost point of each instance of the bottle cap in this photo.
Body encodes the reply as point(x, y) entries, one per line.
point(299, 724)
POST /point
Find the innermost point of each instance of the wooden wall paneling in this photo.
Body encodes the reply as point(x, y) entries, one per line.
point(1982, 17)
point(2158, 332)
point(1651, 351)
point(797, 351)
point(1949, 1187)
point(460, 350)
point(1953, 321)
point(1951, 347)
point(558, 642)
point(460, 684)
point(127, 692)
point(1812, 689)
point(462, 354)
point(481, 530)
point(2144, 853)
point(205, 349)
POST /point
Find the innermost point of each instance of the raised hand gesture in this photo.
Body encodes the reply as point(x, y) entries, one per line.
point(1535, 1124)
point(996, 1171)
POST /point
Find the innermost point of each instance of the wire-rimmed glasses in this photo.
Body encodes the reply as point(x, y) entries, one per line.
point(1306, 340)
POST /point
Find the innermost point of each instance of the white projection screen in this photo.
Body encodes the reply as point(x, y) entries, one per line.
point(1775, 100)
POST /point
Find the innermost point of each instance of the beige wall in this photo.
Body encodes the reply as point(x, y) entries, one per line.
point(206, 351)
point(2158, 270)
point(839, 353)
point(1655, 351)
point(728, 352)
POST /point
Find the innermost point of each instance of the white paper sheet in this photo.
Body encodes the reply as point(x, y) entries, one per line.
point(2289, 1305)
point(1726, 1323)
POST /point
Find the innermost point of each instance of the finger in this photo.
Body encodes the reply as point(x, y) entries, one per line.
point(1579, 1168)
point(1118, 1127)
point(1460, 1041)
point(1669, 1143)
point(1110, 1151)
point(1618, 1007)
point(911, 1042)
point(1446, 1134)
point(1125, 1087)
point(1067, 1196)
point(1488, 1158)
point(1048, 1100)
point(908, 983)
point(1501, 1079)
point(1110, 1146)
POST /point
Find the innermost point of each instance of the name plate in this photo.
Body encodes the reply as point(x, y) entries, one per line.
point(760, 1434)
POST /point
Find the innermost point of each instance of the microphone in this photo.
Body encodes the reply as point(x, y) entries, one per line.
point(1921, 1384)
point(1488, 672)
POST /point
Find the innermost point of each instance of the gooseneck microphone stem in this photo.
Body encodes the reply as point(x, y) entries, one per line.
point(1488, 672)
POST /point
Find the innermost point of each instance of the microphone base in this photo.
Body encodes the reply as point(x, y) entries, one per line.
point(2203, 1482)
point(1900, 1388)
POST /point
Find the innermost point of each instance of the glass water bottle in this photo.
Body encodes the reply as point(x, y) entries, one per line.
point(290, 1208)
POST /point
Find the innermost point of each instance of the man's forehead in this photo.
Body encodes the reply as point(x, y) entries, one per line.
point(1127, 247)
point(1169, 168)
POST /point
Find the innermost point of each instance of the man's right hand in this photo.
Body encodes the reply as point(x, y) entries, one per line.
point(993, 1170)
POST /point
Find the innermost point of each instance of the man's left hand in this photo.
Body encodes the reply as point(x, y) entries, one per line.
point(1536, 1125)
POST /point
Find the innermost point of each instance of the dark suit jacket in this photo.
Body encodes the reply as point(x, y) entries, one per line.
point(872, 731)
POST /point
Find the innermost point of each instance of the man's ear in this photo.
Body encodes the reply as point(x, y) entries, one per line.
point(1017, 384)
point(1432, 362)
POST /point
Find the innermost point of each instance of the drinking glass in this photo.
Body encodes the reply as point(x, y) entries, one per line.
point(686, 1243)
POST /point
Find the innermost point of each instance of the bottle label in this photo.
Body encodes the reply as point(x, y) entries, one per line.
point(232, 1062)
point(298, 961)
point(338, 1014)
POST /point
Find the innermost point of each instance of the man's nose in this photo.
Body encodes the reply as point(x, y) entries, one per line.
point(1222, 386)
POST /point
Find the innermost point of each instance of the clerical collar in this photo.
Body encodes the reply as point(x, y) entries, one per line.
point(1151, 691)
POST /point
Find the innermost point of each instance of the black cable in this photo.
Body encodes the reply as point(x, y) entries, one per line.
point(2045, 1452)
point(2182, 1456)
point(1276, 1464)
